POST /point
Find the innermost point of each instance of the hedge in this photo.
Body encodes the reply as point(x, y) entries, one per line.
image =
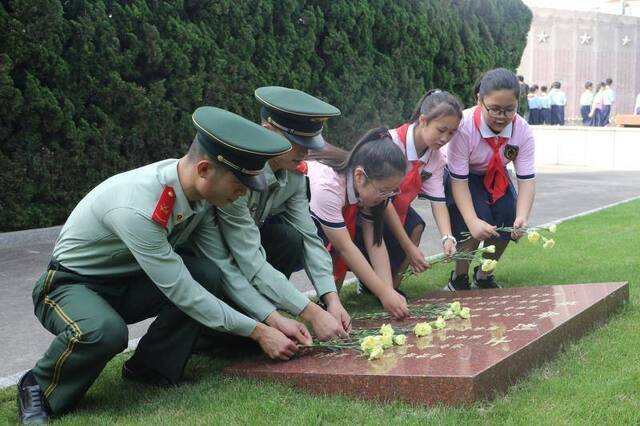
point(92, 88)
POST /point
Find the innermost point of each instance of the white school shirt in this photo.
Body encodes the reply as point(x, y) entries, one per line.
point(608, 97)
point(586, 99)
point(434, 162)
point(557, 97)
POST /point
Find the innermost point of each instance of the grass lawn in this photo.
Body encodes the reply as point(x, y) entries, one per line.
point(595, 381)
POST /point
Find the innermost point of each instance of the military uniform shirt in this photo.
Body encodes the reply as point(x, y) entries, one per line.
point(111, 233)
point(239, 222)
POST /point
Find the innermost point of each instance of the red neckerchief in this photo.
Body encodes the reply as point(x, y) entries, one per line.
point(412, 182)
point(350, 215)
point(495, 179)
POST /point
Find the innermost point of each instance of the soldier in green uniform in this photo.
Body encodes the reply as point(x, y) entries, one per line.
point(270, 233)
point(114, 263)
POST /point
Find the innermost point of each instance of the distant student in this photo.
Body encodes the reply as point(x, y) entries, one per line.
point(480, 195)
point(523, 104)
point(349, 194)
point(597, 107)
point(608, 99)
point(545, 106)
point(433, 123)
point(558, 101)
point(534, 105)
point(586, 99)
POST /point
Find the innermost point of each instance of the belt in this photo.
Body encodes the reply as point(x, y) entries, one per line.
point(54, 265)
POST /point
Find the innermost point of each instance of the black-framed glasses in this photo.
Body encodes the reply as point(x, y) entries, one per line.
point(496, 112)
point(382, 194)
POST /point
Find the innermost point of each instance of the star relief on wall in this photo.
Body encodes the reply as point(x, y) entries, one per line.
point(585, 38)
point(542, 37)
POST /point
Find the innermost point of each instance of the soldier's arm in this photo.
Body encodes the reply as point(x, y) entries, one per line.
point(148, 243)
point(243, 240)
point(317, 261)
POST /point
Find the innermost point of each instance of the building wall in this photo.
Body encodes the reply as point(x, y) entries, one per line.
point(565, 56)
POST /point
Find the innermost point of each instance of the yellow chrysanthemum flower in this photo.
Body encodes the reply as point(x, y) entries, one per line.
point(422, 329)
point(553, 228)
point(400, 340)
point(465, 313)
point(439, 323)
point(489, 265)
point(490, 249)
point(368, 344)
point(386, 329)
point(387, 341)
point(448, 314)
point(549, 244)
point(455, 307)
point(376, 353)
point(533, 236)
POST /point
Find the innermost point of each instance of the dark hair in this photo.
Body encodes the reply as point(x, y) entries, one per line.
point(498, 79)
point(555, 85)
point(588, 84)
point(436, 103)
point(380, 158)
point(197, 152)
point(609, 82)
point(533, 88)
point(543, 88)
point(520, 78)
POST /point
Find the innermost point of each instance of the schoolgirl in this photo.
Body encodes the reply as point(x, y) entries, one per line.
point(432, 125)
point(586, 99)
point(545, 106)
point(349, 193)
point(534, 105)
point(558, 101)
point(480, 195)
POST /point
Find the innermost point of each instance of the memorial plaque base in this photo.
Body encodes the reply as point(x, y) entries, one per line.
point(510, 332)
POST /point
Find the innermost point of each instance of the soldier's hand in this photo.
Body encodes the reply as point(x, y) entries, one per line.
point(293, 329)
point(335, 308)
point(273, 342)
point(324, 325)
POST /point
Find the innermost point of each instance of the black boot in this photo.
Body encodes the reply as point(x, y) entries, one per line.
point(32, 405)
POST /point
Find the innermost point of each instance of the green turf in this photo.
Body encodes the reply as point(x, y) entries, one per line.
point(594, 381)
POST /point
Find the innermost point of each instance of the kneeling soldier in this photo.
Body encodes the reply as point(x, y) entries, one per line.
point(114, 264)
point(271, 233)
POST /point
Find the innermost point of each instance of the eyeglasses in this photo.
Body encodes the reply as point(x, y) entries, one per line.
point(497, 112)
point(382, 194)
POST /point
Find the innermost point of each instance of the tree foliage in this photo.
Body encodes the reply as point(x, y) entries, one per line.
point(92, 88)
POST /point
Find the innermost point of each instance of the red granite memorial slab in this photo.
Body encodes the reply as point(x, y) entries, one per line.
point(510, 332)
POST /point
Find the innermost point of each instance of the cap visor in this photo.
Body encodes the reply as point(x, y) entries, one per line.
point(254, 183)
point(314, 143)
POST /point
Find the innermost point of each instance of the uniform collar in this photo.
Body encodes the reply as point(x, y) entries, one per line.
point(279, 178)
point(352, 198)
point(486, 132)
point(168, 176)
point(412, 153)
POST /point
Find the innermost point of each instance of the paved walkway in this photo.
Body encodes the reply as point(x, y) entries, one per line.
point(561, 192)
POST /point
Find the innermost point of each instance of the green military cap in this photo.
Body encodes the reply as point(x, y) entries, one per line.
point(238, 144)
point(299, 115)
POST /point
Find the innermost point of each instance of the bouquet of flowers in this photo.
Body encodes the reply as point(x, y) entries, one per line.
point(474, 256)
point(373, 342)
point(533, 233)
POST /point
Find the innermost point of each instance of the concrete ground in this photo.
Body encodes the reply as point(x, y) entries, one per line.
point(561, 192)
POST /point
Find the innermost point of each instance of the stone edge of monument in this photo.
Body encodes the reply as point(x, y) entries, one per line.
point(456, 390)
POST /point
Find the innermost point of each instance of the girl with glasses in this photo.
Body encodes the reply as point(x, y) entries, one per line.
point(480, 195)
point(432, 125)
point(350, 191)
